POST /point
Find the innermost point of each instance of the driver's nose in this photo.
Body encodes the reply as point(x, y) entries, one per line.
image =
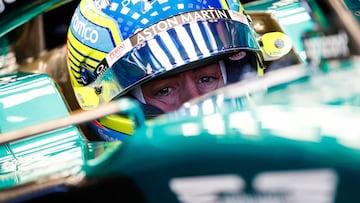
point(189, 88)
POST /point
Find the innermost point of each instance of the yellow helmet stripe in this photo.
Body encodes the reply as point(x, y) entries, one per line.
point(74, 47)
point(118, 123)
point(93, 14)
point(224, 4)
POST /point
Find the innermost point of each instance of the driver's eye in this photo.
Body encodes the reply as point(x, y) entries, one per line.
point(207, 79)
point(163, 92)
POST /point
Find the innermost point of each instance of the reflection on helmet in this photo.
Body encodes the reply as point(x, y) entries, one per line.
point(116, 46)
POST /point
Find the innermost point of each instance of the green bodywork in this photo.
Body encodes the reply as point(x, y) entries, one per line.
point(28, 99)
point(27, 10)
point(265, 130)
point(291, 136)
point(292, 17)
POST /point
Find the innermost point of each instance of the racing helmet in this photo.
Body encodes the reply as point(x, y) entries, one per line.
point(113, 47)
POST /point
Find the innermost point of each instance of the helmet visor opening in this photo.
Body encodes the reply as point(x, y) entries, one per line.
point(176, 49)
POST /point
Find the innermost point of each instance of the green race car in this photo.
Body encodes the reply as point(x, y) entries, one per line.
point(290, 136)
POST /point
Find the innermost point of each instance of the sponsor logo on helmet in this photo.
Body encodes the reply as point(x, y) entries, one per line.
point(101, 68)
point(81, 28)
point(149, 32)
point(112, 57)
point(117, 52)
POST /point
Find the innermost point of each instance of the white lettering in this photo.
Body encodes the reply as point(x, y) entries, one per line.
point(84, 31)
point(164, 25)
point(187, 17)
point(317, 185)
point(100, 69)
point(327, 47)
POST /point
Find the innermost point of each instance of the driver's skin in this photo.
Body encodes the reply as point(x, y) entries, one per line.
point(170, 93)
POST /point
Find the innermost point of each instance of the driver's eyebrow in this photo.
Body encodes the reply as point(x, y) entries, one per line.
point(165, 77)
point(169, 76)
point(162, 78)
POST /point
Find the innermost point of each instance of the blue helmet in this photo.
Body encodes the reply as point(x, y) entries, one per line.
point(115, 46)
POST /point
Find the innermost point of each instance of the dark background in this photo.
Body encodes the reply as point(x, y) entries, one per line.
point(56, 23)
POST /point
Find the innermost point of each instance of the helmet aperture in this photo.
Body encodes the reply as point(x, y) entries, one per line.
point(116, 46)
